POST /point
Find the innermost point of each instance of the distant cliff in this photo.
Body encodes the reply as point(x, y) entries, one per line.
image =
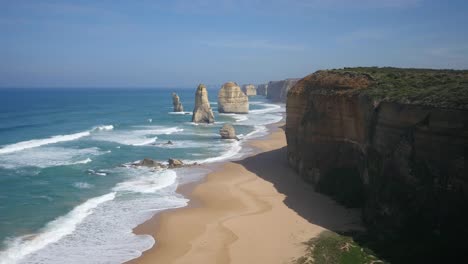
point(249, 89)
point(278, 90)
point(392, 141)
point(262, 89)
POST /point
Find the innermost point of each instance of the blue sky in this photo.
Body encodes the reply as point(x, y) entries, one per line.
point(181, 43)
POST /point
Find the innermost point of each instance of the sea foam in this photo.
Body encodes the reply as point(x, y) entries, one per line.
point(52, 232)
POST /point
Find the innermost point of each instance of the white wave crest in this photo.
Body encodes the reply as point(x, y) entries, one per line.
point(52, 232)
point(104, 128)
point(180, 113)
point(148, 181)
point(140, 136)
point(40, 142)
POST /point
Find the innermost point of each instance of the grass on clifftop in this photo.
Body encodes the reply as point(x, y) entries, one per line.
point(442, 88)
point(331, 248)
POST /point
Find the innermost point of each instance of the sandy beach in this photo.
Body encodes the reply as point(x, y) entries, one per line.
point(256, 210)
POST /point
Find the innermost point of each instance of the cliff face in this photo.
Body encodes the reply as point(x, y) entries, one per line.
point(231, 99)
point(262, 89)
point(402, 162)
point(249, 89)
point(278, 90)
point(202, 112)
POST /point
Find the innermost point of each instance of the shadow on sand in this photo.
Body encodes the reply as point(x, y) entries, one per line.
point(301, 197)
point(321, 210)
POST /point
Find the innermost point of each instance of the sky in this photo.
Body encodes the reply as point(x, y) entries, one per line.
point(180, 43)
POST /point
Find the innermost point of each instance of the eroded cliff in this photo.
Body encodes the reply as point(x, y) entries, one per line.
point(396, 151)
point(262, 89)
point(278, 90)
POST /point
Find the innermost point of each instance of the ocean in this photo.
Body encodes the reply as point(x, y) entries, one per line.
point(67, 194)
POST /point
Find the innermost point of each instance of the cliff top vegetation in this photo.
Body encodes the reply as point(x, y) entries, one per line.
point(439, 88)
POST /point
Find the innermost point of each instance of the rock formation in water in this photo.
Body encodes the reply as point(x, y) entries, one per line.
point(147, 162)
point(380, 139)
point(175, 163)
point(278, 90)
point(249, 89)
point(228, 132)
point(202, 112)
point(176, 103)
point(262, 89)
point(231, 99)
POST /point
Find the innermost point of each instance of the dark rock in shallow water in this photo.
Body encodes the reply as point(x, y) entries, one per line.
point(175, 163)
point(149, 163)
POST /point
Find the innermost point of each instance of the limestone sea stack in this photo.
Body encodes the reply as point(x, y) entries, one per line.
point(176, 102)
point(228, 132)
point(249, 89)
point(202, 112)
point(262, 89)
point(231, 99)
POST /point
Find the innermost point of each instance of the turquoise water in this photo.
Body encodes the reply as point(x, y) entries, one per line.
point(65, 196)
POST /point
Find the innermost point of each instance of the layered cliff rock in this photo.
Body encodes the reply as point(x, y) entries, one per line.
point(176, 103)
point(249, 89)
point(202, 112)
point(231, 99)
point(278, 90)
point(262, 89)
point(383, 140)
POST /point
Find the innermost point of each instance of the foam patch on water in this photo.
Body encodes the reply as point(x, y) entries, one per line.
point(44, 157)
point(83, 185)
point(52, 232)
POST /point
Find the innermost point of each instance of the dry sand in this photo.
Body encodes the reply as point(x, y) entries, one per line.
point(256, 210)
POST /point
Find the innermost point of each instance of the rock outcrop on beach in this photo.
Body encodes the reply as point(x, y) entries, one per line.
point(379, 139)
point(278, 90)
point(231, 99)
point(176, 103)
point(262, 89)
point(202, 112)
point(249, 89)
point(228, 132)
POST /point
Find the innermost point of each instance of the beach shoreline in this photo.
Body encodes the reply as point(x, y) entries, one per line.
point(237, 215)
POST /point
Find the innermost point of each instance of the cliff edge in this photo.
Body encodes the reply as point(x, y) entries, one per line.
point(392, 141)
